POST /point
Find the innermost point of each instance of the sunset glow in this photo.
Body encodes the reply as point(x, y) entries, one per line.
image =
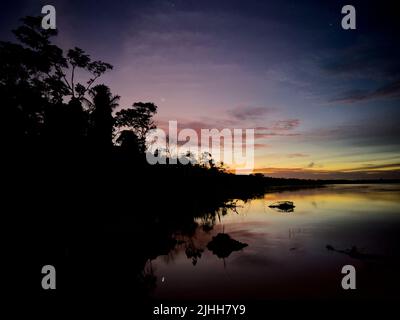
point(323, 100)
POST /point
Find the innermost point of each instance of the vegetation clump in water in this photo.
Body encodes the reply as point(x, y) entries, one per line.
point(223, 245)
point(283, 206)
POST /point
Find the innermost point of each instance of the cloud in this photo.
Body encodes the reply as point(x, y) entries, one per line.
point(305, 173)
point(248, 113)
point(370, 56)
point(197, 125)
point(281, 128)
point(369, 68)
point(262, 135)
point(286, 124)
point(261, 145)
point(375, 167)
point(390, 90)
point(311, 165)
point(381, 131)
point(280, 125)
point(297, 155)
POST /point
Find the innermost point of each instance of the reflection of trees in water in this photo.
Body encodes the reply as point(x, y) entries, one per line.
point(192, 252)
point(83, 171)
point(146, 279)
point(208, 220)
point(192, 244)
point(194, 236)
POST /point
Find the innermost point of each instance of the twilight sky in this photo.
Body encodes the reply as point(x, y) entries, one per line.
point(325, 101)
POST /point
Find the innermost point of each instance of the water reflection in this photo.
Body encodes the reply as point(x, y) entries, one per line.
point(222, 245)
point(270, 255)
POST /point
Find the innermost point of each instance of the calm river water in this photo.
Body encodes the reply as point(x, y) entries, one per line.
point(286, 256)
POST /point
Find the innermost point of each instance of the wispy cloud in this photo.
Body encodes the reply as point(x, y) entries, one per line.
point(297, 155)
point(311, 165)
point(308, 173)
point(248, 113)
point(369, 167)
point(390, 90)
point(282, 128)
point(286, 124)
point(380, 131)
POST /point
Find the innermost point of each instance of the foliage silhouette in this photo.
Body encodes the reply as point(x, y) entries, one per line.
point(138, 119)
point(75, 170)
point(101, 106)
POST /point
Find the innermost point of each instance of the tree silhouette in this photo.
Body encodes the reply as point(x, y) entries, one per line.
point(77, 58)
point(101, 106)
point(130, 145)
point(72, 181)
point(138, 119)
point(24, 88)
point(36, 80)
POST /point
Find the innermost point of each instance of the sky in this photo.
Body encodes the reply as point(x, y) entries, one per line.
point(324, 101)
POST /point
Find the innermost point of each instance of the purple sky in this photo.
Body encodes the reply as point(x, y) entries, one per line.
point(325, 101)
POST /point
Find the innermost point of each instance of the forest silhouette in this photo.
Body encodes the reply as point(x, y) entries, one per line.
point(75, 168)
point(80, 191)
point(53, 117)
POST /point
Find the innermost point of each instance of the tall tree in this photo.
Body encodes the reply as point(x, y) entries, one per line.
point(35, 81)
point(138, 119)
point(101, 106)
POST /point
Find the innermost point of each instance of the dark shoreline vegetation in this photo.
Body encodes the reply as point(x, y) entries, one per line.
point(78, 183)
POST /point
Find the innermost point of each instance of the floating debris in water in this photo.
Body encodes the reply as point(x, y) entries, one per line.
point(283, 206)
point(354, 252)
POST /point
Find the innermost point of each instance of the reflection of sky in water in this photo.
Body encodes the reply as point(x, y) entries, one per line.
point(286, 255)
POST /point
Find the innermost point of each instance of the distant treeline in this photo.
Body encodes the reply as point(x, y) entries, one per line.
point(290, 181)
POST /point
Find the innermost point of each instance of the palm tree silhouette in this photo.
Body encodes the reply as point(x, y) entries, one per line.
point(101, 106)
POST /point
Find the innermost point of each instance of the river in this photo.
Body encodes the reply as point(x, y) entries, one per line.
point(287, 254)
